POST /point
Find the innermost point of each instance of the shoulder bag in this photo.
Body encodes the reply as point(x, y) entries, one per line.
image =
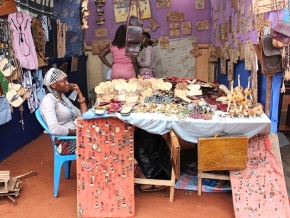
point(134, 34)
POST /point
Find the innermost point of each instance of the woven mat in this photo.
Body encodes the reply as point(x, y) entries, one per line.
point(260, 189)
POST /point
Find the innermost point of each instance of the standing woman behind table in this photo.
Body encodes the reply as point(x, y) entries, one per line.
point(57, 110)
point(123, 67)
point(147, 61)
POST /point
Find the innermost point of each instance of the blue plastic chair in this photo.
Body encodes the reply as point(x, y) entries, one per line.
point(58, 159)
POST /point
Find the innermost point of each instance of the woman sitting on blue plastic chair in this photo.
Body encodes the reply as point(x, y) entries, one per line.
point(58, 111)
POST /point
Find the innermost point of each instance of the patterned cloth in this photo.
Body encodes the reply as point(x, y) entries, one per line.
point(35, 7)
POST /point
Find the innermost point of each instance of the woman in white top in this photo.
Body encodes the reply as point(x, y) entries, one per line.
point(147, 61)
point(56, 109)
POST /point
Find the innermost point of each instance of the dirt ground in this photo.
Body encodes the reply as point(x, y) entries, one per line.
point(36, 196)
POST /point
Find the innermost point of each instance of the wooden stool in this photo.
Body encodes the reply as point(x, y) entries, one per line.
point(222, 153)
point(173, 144)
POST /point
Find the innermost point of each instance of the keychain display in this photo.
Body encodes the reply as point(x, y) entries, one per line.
point(260, 189)
point(105, 168)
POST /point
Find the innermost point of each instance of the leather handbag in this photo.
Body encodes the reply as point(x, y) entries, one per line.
point(282, 32)
point(134, 34)
point(270, 57)
point(7, 7)
point(222, 153)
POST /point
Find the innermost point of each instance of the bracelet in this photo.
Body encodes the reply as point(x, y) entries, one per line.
point(82, 101)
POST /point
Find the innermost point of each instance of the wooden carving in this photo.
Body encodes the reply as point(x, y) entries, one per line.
point(213, 54)
point(174, 29)
point(236, 5)
point(241, 51)
point(175, 16)
point(224, 9)
point(99, 45)
point(223, 66)
point(163, 3)
point(186, 28)
point(230, 70)
point(202, 25)
point(101, 32)
point(199, 4)
point(154, 25)
point(263, 6)
point(243, 7)
point(164, 42)
point(195, 51)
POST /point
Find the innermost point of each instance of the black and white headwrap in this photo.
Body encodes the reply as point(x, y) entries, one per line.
point(52, 76)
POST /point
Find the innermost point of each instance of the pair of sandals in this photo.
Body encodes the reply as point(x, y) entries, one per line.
point(126, 110)
point(17, 94)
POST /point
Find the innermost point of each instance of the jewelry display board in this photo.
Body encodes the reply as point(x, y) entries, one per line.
point(260, 189)
point(105, 168)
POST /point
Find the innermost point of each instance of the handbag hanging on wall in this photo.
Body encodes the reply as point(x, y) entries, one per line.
point(7, 7)
point(270, 57)
point(134, 34)
point(282, 32)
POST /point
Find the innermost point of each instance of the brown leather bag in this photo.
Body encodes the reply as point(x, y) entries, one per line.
point(7, 7)
point(270, 57)
point(222, 153)
point(134, 34)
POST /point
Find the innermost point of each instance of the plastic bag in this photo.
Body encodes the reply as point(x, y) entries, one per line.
point(152, 155)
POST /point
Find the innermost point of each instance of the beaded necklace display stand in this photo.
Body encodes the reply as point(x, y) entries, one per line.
point(260, 189)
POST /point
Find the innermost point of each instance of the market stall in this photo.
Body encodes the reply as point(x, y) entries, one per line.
point(180, 118)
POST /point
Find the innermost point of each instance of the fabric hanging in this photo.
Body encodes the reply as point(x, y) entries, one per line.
point(5, 113)
point(51, 45)
point(38, 37)
point(23, 43)
point(176, 60)
point(38, 79)
point(36, 7)
point(61, 35)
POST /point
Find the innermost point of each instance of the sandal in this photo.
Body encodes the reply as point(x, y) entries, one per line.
point(126, 110)
point(14, 99)
point(99, 110)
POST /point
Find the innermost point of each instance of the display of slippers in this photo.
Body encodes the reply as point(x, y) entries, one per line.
point(99, 110)
point(152, 188)
point(126, 110)
point(14, 99)
point(114, 107)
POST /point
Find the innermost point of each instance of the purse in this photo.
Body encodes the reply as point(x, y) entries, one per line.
point(134, 33)
point(281, 32)
point(269, 56)
point(222, 153)
point(7, 7)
